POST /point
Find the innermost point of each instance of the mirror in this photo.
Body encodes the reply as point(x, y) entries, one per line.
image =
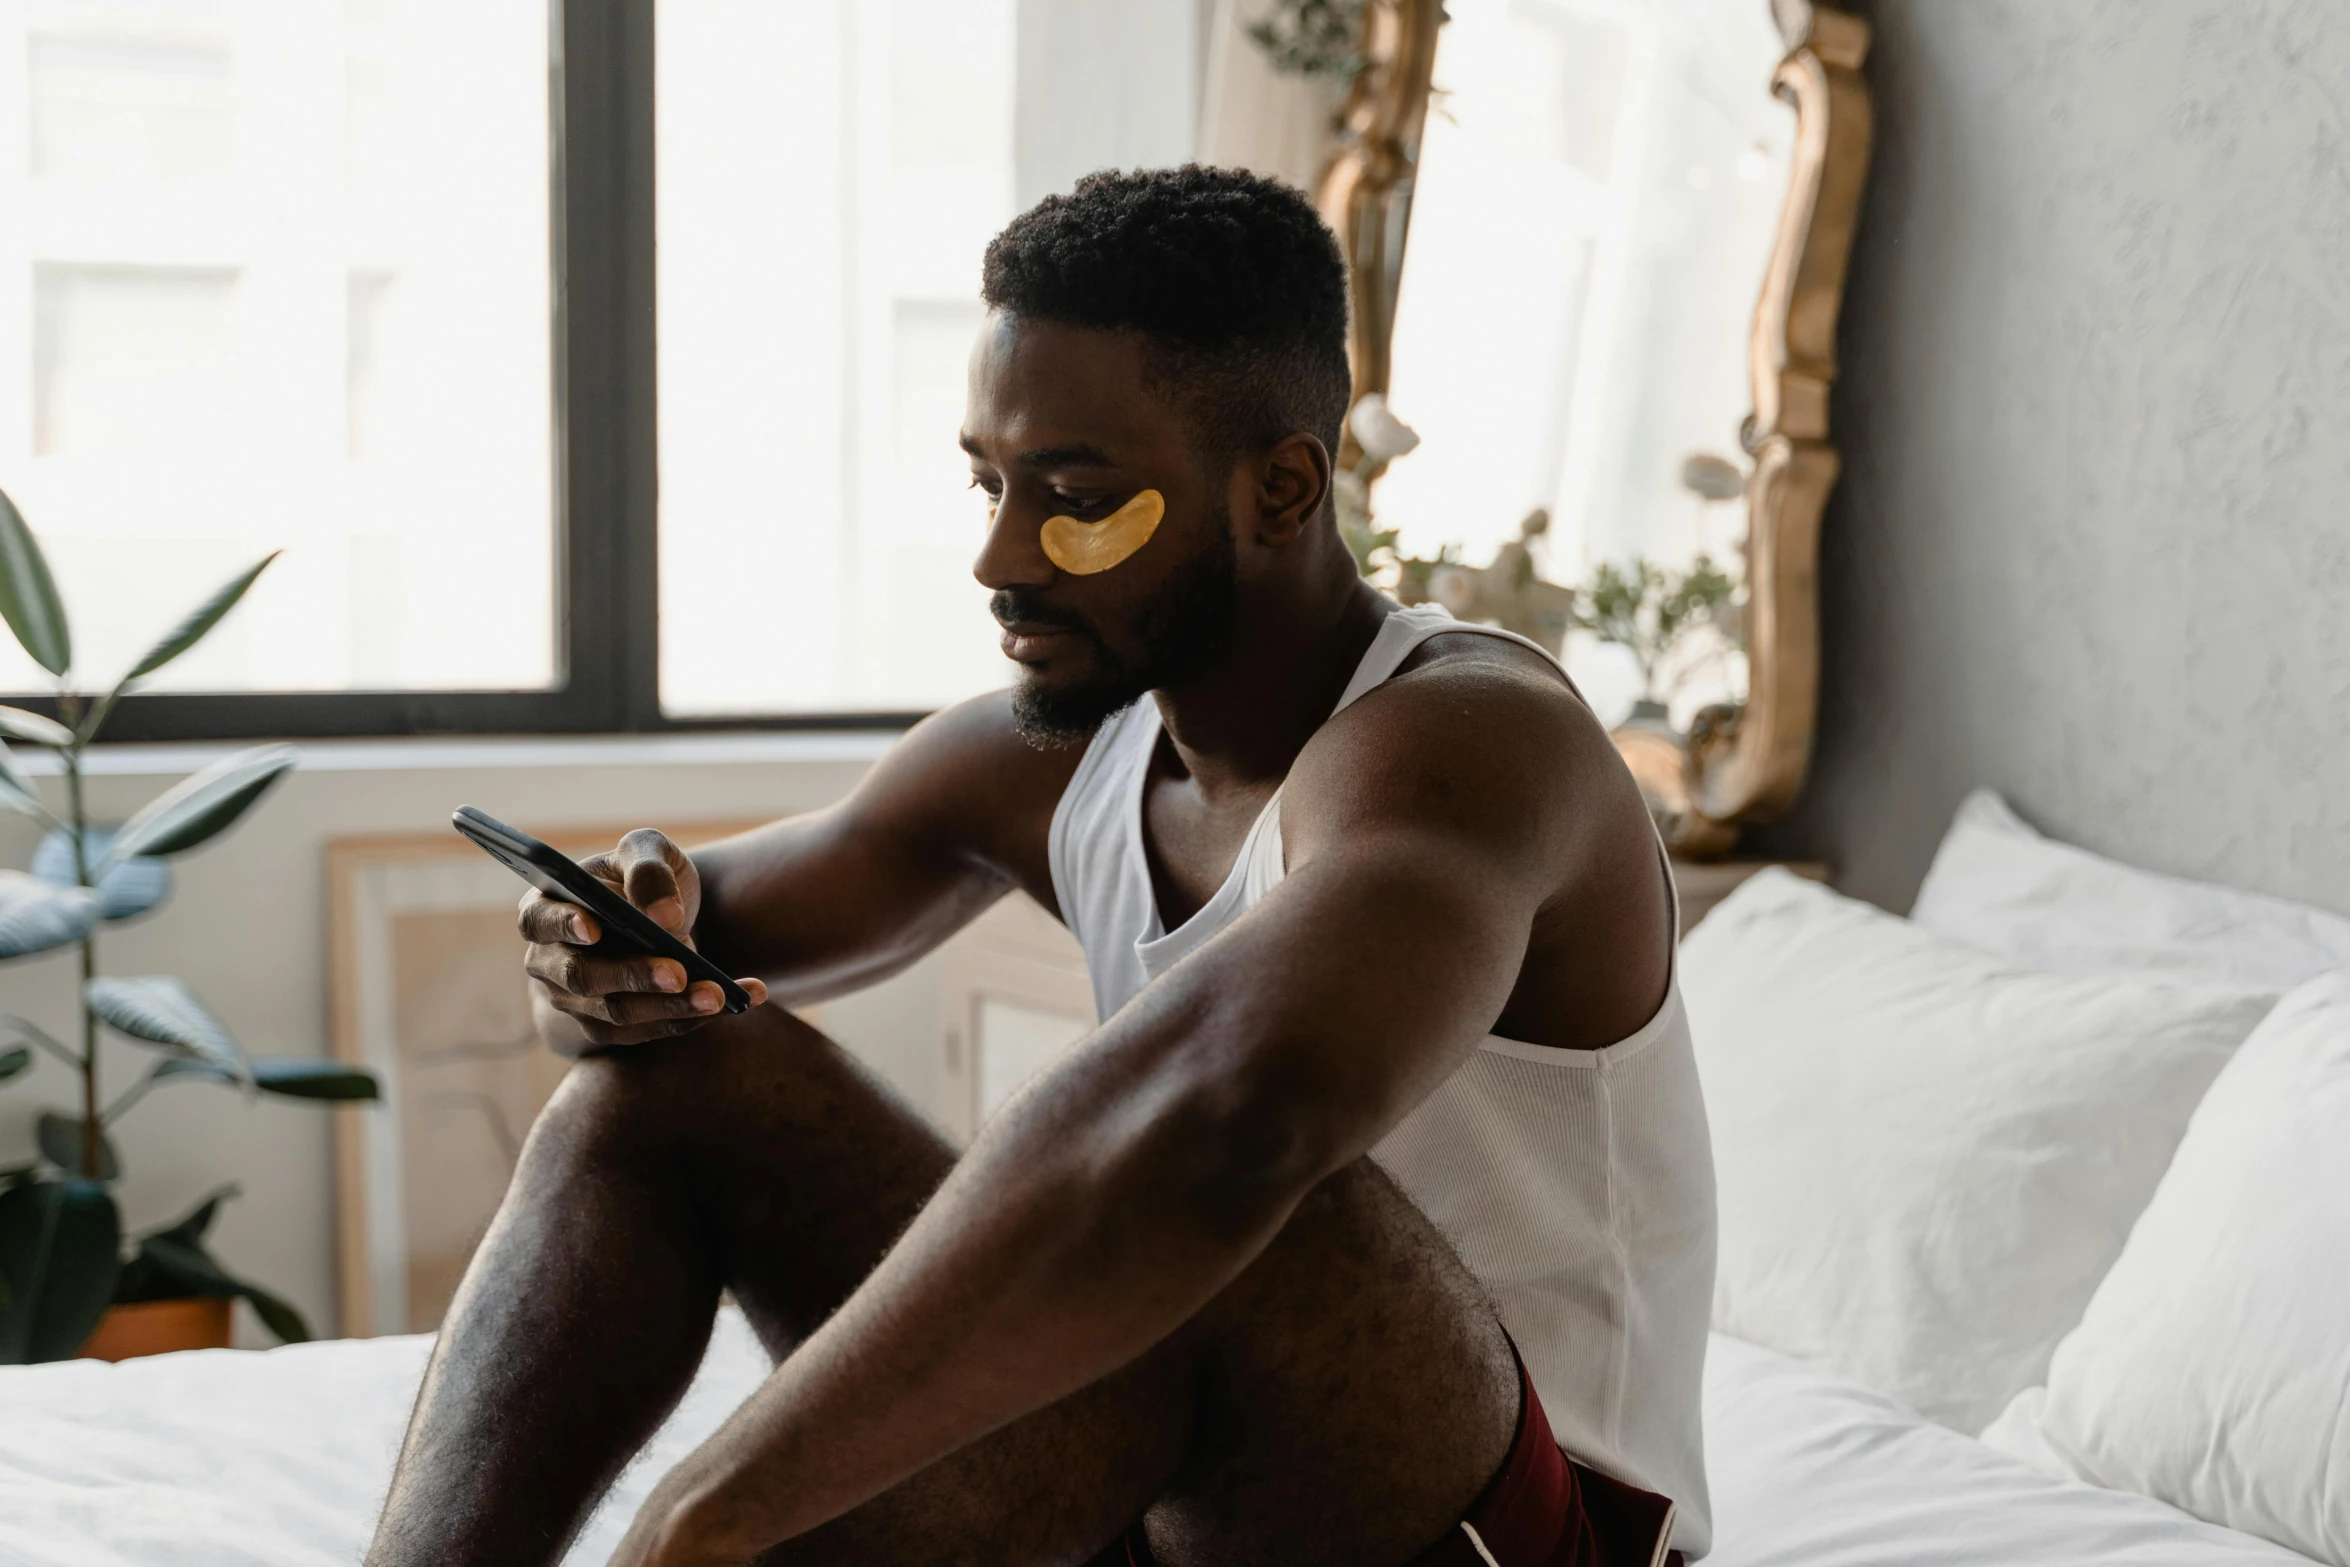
point(1627, 224)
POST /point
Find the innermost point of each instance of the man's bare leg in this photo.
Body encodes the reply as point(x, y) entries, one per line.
point(1344, 1400)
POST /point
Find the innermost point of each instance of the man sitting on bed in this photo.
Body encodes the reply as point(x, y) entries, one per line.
point(1385, 1167)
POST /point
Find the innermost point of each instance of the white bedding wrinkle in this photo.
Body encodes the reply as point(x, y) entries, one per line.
point(2212, 1367)
point(1927, 1157)
point(224, 1459)
point(1997, 884)
point(1811, 1471)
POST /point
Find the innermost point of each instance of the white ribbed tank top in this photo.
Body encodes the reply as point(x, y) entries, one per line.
point(1577, 1185)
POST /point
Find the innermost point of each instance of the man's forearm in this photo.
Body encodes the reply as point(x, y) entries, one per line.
point(1087, 1224)
point(815, 910)
point(1117, 1194)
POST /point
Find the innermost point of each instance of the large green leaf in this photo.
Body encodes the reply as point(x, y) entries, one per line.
point(202, 804)
point(60, 1252)
point(128, 888)
point(59, 1137)
point(192, 1226)
point(28, 594)
point(168, 1267)
point(37, 915)
point(32, 728)
point(15, 1061)
point(162, 1011)
point(16, 789)
point(199, 620)
point(292, 1077)
point(143, 1278)
point(299, 1079)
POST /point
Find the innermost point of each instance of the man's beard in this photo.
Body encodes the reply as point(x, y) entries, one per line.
point(1181, 634)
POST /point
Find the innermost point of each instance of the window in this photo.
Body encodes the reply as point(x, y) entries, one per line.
point(828, 178)
point(374, 282)
point(289, 284)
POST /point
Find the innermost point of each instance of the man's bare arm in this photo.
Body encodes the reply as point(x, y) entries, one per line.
point(954, 815)
point(1119, 1192)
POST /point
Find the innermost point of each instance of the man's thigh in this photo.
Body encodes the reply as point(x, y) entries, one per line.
point(1344, 1400)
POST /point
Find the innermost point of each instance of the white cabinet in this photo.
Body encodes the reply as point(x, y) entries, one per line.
point(1012, 997)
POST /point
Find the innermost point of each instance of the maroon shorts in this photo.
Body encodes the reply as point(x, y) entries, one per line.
point(1541, 1510)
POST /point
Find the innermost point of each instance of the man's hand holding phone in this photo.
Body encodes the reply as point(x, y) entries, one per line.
point(603, 999)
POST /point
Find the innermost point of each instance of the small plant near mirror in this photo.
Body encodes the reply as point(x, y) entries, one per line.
point(1652, 612)
point(1659, 614)
point(63, 1262)
point(1317, 39)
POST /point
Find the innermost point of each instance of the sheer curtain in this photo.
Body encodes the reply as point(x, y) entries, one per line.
point(1103, 84)
point(1252, 116)
point(829, 177)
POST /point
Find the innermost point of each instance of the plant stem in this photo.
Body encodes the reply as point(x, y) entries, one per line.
point(91, 1144)
point(128, 1097)
point(28, 1029)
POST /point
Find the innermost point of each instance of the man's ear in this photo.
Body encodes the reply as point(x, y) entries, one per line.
point(1293, 482)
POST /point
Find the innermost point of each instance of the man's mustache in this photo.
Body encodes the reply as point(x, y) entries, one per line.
point(1020, 606)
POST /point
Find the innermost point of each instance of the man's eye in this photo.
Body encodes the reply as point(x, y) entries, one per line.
point(1078, 503)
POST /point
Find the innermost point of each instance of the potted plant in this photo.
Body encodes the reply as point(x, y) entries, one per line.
point(1650, 611)
point(65, 1272)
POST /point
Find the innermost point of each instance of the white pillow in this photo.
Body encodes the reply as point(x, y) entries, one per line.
point(1998, 885)
point(2212, 1368)
point(1926, 1157)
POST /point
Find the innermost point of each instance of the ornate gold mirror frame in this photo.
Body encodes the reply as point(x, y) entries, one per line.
point(1742, 762)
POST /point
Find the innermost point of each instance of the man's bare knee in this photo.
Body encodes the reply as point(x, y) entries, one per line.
point(1358, 1322)
point(1358, 1226)
point(717, 1083)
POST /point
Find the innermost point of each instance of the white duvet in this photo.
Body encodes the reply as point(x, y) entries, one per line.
point(221, 1457)
point(1808, 1468)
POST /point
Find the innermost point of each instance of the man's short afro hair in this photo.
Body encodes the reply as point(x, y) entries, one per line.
point(1233, 279)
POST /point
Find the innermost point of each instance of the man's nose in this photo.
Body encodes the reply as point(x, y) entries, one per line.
point(1012, 556)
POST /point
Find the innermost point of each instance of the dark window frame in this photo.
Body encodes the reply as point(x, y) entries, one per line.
point(607, 501)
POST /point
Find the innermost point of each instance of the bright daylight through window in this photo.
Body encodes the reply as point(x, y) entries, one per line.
point(277, 274)
point(828, 177)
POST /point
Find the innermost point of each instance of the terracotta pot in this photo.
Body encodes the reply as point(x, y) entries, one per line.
point(158, 1327)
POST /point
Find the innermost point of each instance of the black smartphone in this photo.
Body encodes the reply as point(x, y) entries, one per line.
point(626, 927)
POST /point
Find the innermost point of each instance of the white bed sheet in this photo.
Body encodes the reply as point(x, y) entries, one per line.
point(225, 1458)
point(1810, 1469)
point(219, 1458)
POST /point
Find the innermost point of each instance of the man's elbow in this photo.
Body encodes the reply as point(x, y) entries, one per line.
point(1239, 1149)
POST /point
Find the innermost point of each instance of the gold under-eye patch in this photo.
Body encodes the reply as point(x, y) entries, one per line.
point(1083, 548)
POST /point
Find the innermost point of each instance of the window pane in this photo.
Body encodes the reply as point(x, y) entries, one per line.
point(275, 274)
point(828, 178)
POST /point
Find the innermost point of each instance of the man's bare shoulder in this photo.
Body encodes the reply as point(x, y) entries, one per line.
point(968, 781)
point(1479, 757)
point(1479, 736)
point(977, 739)
point(1473, 707)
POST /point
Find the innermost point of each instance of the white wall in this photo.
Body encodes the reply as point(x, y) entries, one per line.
point(246, 926)
point(2089, 545)
point(1103, 84)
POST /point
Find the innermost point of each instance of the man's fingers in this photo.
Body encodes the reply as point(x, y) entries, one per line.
point(606, 1037)
point(631, 1009)
point(625, 1018)
point(648, 865)
point(545, 919)
point(628, 1011)
point(568, 969)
